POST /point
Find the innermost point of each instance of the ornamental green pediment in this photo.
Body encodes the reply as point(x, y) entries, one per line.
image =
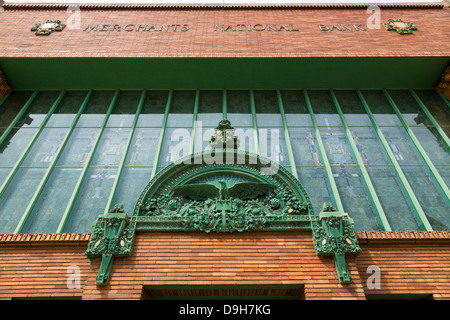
point(223, 190)
point(247, 193)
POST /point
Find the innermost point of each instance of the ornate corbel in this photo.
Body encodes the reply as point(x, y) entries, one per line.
point(334, 234)
point(112, 236)
point(444, 85)
point(4, 86)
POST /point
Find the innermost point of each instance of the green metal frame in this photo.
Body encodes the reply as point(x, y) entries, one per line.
point(17, 117)
point(423, 221)
point(435, 174)
point(335, 193)
point(447, 102)
point(161, 136)
point(224, 104)
point(112, 194)
point(255, 124)
point(366, 178)
point(52, 165)
point(286, 135)
point(73, 198)
point(24, 154)
point(428, 114)
point(194, 121)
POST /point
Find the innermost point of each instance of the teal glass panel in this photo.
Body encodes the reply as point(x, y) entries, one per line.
point(210, 108)
point(316, 184)
point(267, 109)
point(444, 171)
point(202, 137)
point(17, 196)
point(67, 109)
point(239, 111)
point(153, 109)
point(125, 109)
point(4, 172)
point(15, 145)
point(11, 107)
point(437, 107)
point(272, 144)
point(52, 202)
point(45, 147)
point(369, 146)
point(246, 139)
point(96, 109)
point(323, 107)
point(431, 199)
point(91, 200)
point(352, 108)
point(431, 142)
point(382, 111)
point(40, 108)
point(336, 145)
point(393, 199)
point(78, 148)
point(295, 109)
point(304, 146)
point(143, 147)
point(131, 184)
point(401, 145)
point(410, 110)
point(181, 109)
point(176, 144)
point(111, 147)
point(354, 197)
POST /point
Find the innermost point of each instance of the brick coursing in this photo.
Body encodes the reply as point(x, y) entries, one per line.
point(201, 41)
point(410, 263)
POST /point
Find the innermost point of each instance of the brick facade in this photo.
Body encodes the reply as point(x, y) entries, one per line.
point(203, 39)
point(410, 263)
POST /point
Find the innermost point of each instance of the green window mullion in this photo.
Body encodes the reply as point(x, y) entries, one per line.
point(194, 121)
point(224, 104)
point(286, 135)
point(255, 125)
point(334, 189)
point(77, 189)
point(437, 177)
point(366, 178)
point(441, 132)
point(52, 165)
point(125, 154)
point(425, 224)
point(17, 117)
point(161, 136)
point(30, 145)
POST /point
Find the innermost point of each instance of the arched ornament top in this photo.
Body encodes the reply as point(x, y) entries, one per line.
point(223, 190)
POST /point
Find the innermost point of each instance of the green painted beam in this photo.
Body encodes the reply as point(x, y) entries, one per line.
point(2, 100)
point(161, 136)
point(424, 223)
point(435, 174)
point(194, 121)
point(335, 193)
point(16, 119)
point(22, 157)
point(428, 114)
point(286, 135)
point(49, 171)
point(224, 104)
point(73, 198)
point(362, 168)
point(113, 192)
point(255, 124)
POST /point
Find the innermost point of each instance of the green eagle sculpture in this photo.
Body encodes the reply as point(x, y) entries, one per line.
point(241, 190)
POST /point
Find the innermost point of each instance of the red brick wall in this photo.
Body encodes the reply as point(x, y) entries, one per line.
point(410, 263)
point(201, 40)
